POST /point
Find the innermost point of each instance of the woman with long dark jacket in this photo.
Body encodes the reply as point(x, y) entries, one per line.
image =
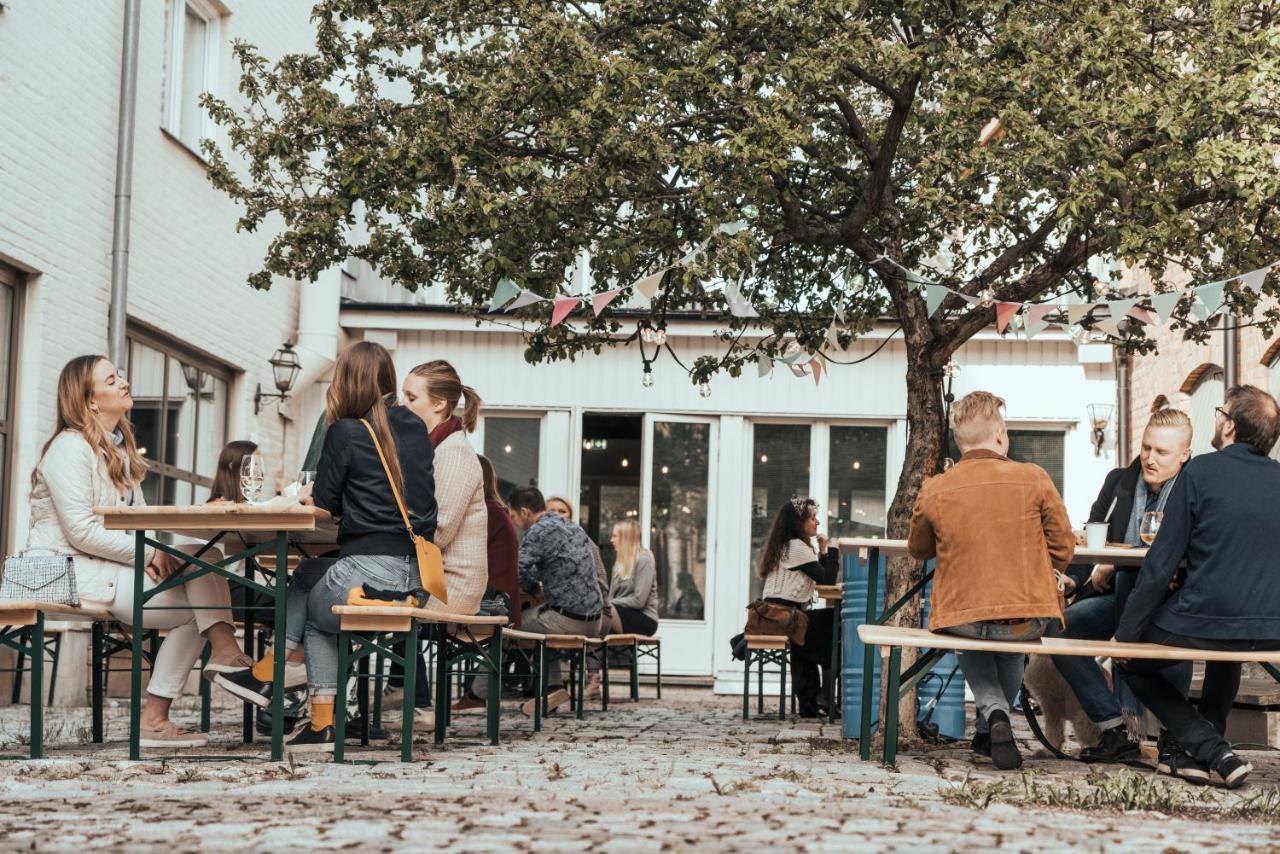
point(792, 569)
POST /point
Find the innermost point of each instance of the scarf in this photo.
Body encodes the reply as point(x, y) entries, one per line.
point(444, 430)
point(1141, 495)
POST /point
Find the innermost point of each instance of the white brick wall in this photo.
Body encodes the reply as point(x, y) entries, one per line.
point(59, 97)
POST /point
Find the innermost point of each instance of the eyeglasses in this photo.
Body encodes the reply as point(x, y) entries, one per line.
point(1222, 410)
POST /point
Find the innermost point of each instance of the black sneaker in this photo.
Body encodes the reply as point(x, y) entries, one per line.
point(1233, 770)
point(312, 741)
point(981, 743)
point(1114, 745)
point(246, 686)
point(295, 710)
point(1004, 750)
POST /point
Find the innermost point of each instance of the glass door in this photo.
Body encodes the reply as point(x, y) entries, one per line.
point(676, 507)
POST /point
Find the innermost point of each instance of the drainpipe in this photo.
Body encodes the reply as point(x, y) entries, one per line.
point(317, 334)
point(1124, 402)
point(118, 313)
point(1230, 350)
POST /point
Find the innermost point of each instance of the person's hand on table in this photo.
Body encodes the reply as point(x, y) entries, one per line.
point(304, 495)
point(1068, 585)
point(822, 544)
point(1101, 576)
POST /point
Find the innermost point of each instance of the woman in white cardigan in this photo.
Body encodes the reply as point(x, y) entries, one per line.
point(92, 460)
point(433, 390)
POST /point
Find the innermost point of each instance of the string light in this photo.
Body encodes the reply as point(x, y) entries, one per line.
point(660, 336)
point(647, 379)
point(704, 388)
point(988, 297)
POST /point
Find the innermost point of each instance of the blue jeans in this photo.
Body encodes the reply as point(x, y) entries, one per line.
point(1095, 618)
point(995, 677)
point(309, 617)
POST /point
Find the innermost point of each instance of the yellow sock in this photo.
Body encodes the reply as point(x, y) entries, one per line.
point(264, 670)
point(321, 713)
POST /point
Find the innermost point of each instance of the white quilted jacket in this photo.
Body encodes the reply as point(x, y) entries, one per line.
point(462, 524)
point(70, 481)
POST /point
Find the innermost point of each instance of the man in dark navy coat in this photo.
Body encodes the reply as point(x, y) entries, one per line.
point(1222, 520)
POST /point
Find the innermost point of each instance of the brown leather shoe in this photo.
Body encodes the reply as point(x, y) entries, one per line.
point(170, 735)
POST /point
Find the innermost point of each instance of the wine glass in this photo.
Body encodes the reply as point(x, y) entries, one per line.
point(306, 477)
point(253, 476)
point(1150, 526)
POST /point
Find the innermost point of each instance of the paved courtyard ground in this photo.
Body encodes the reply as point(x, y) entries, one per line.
point(683, 773)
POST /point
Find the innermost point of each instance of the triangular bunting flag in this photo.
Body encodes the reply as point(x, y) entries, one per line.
point(648, 286)
point(933, 297)
point(1165, 304)
point(1005, 312)
point(1108, 325)
point(599, 302)
point(1077, 313)
point(764, 366)
point(1253, 280)
point(564, 307)
point(504, 293)
point(1036, 322)
point(833, 335)
point(691, 256)
point(795, 356)
point(525, 298)
point(1210, 297)
point(738, 304)
point(1144, 315)
point(972, 300)
point(799, 370)
point(840, 314)
point(1121, 308)
point(730, 228)
point(817, 365)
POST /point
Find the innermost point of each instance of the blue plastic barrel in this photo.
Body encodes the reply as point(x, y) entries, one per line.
point(853, 614)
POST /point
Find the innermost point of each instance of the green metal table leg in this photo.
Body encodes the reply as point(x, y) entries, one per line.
point(658, 650)
point(635, 674)
point(205, 699)
point(604, 679)
point(340, 698)
point(37, 687)
point(539, 665)
point(891, 710)
point(782, 685)
point(96, 657)
point(833, 675)
point(410, 666)
point(277, 693)
point(868, 660)
point(442, 681)
point(379, 663)
point(135, 632)
point(494, 705)
point(746, 687)
point(582, 682)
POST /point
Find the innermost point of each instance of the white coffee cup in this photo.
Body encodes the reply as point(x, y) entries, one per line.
point(1095, 535)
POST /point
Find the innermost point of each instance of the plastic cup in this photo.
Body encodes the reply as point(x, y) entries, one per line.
point(1095, 535)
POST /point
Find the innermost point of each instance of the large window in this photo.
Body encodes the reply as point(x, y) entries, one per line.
point(856, 482)
point(1208, 394)
point(678, 516)
point(10, 299)
point(180, 406)
point(1045, 448)
point(779, 472)
point(511, 444)
point(193, 29)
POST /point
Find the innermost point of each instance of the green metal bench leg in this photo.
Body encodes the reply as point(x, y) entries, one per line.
point(746, 687)
point(23, 637)
point(362, 696)
point(539, 667)
point(582, 682)
point(442, 683)
point(658, 649)
point(96, 657)
point(277, 696)
point(833, 675)
point(205, 700)
point(379, 664)
point(493, 706)
point(868, 659)
point(782, 686)
point(604, 680)
point(410, 689)
point(635, 674)
point(340, 698)
point(760, 659)
point(135, 663)
point(37, 687)
point(53, 665)
point(891, 712)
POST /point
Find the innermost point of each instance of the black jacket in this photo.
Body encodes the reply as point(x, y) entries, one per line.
point(1119, 487)
point(1220, 517)
point(352, 485)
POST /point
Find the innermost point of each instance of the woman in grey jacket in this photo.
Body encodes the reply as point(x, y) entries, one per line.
point(634, 589)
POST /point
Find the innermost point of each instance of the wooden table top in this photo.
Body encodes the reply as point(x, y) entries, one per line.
point(1117, 555)
point(204, 518)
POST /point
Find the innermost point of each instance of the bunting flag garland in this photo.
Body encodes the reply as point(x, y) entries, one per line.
point(933, 297)
point(730, 228)
point(816, 364)
point(798, 370)
point(1210, 295)
point(1077, 313)
point(1253, 280)
point(525, 298)
point(1108, 324)
point(1144, 315)
point(506, 291)
point(1005, 312)
point(1164, 304)
point(764, 366)
point(1122, 308)
point(840, 316)
point(648, 286)
point(600, 301)
point(563, 308)
point(1036, 322)
point(739, 306)
point(833, 335)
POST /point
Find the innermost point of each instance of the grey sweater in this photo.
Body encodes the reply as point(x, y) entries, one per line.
point(639, 590)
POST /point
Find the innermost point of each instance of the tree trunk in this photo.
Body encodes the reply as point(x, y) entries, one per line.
point(925, 436)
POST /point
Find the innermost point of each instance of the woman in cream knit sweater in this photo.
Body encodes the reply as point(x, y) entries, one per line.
point(433, 390)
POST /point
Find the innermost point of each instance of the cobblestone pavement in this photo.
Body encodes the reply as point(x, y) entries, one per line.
point(685, 772)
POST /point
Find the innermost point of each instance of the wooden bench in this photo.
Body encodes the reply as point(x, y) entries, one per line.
point(476, 637)
point(650, 646)
point(895, 638)
point(765, 650)
point(22, 630)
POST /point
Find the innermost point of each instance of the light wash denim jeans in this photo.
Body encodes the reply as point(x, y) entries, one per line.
point(995, 677)
point(309, 617)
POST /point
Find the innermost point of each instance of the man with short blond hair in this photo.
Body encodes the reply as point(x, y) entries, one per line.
point(999, 531)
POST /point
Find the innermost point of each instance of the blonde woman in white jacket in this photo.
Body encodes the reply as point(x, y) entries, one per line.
point(93, 460)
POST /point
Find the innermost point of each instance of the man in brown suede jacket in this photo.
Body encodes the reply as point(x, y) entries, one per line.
point(1000, 533)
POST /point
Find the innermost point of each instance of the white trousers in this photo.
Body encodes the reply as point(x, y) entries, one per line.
point(173, 610)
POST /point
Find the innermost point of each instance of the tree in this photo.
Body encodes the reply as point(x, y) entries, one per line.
point(466, 141)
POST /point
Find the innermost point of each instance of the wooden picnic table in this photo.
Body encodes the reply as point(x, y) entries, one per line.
point(265, 528)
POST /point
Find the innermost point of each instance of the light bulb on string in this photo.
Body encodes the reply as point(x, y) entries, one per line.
point(704, 388)
point(1080, 335)
point(660, 336)
point(647, 379)
point(647, 334)
point(987, 297)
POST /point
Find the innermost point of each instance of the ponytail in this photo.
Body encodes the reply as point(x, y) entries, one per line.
point(470, 415)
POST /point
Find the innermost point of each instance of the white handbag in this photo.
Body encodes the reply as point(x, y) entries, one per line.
point(49, 578)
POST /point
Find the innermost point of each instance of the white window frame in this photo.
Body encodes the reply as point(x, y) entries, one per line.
point(212, 14)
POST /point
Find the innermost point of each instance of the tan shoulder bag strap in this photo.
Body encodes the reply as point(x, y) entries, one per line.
point(430, 561)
